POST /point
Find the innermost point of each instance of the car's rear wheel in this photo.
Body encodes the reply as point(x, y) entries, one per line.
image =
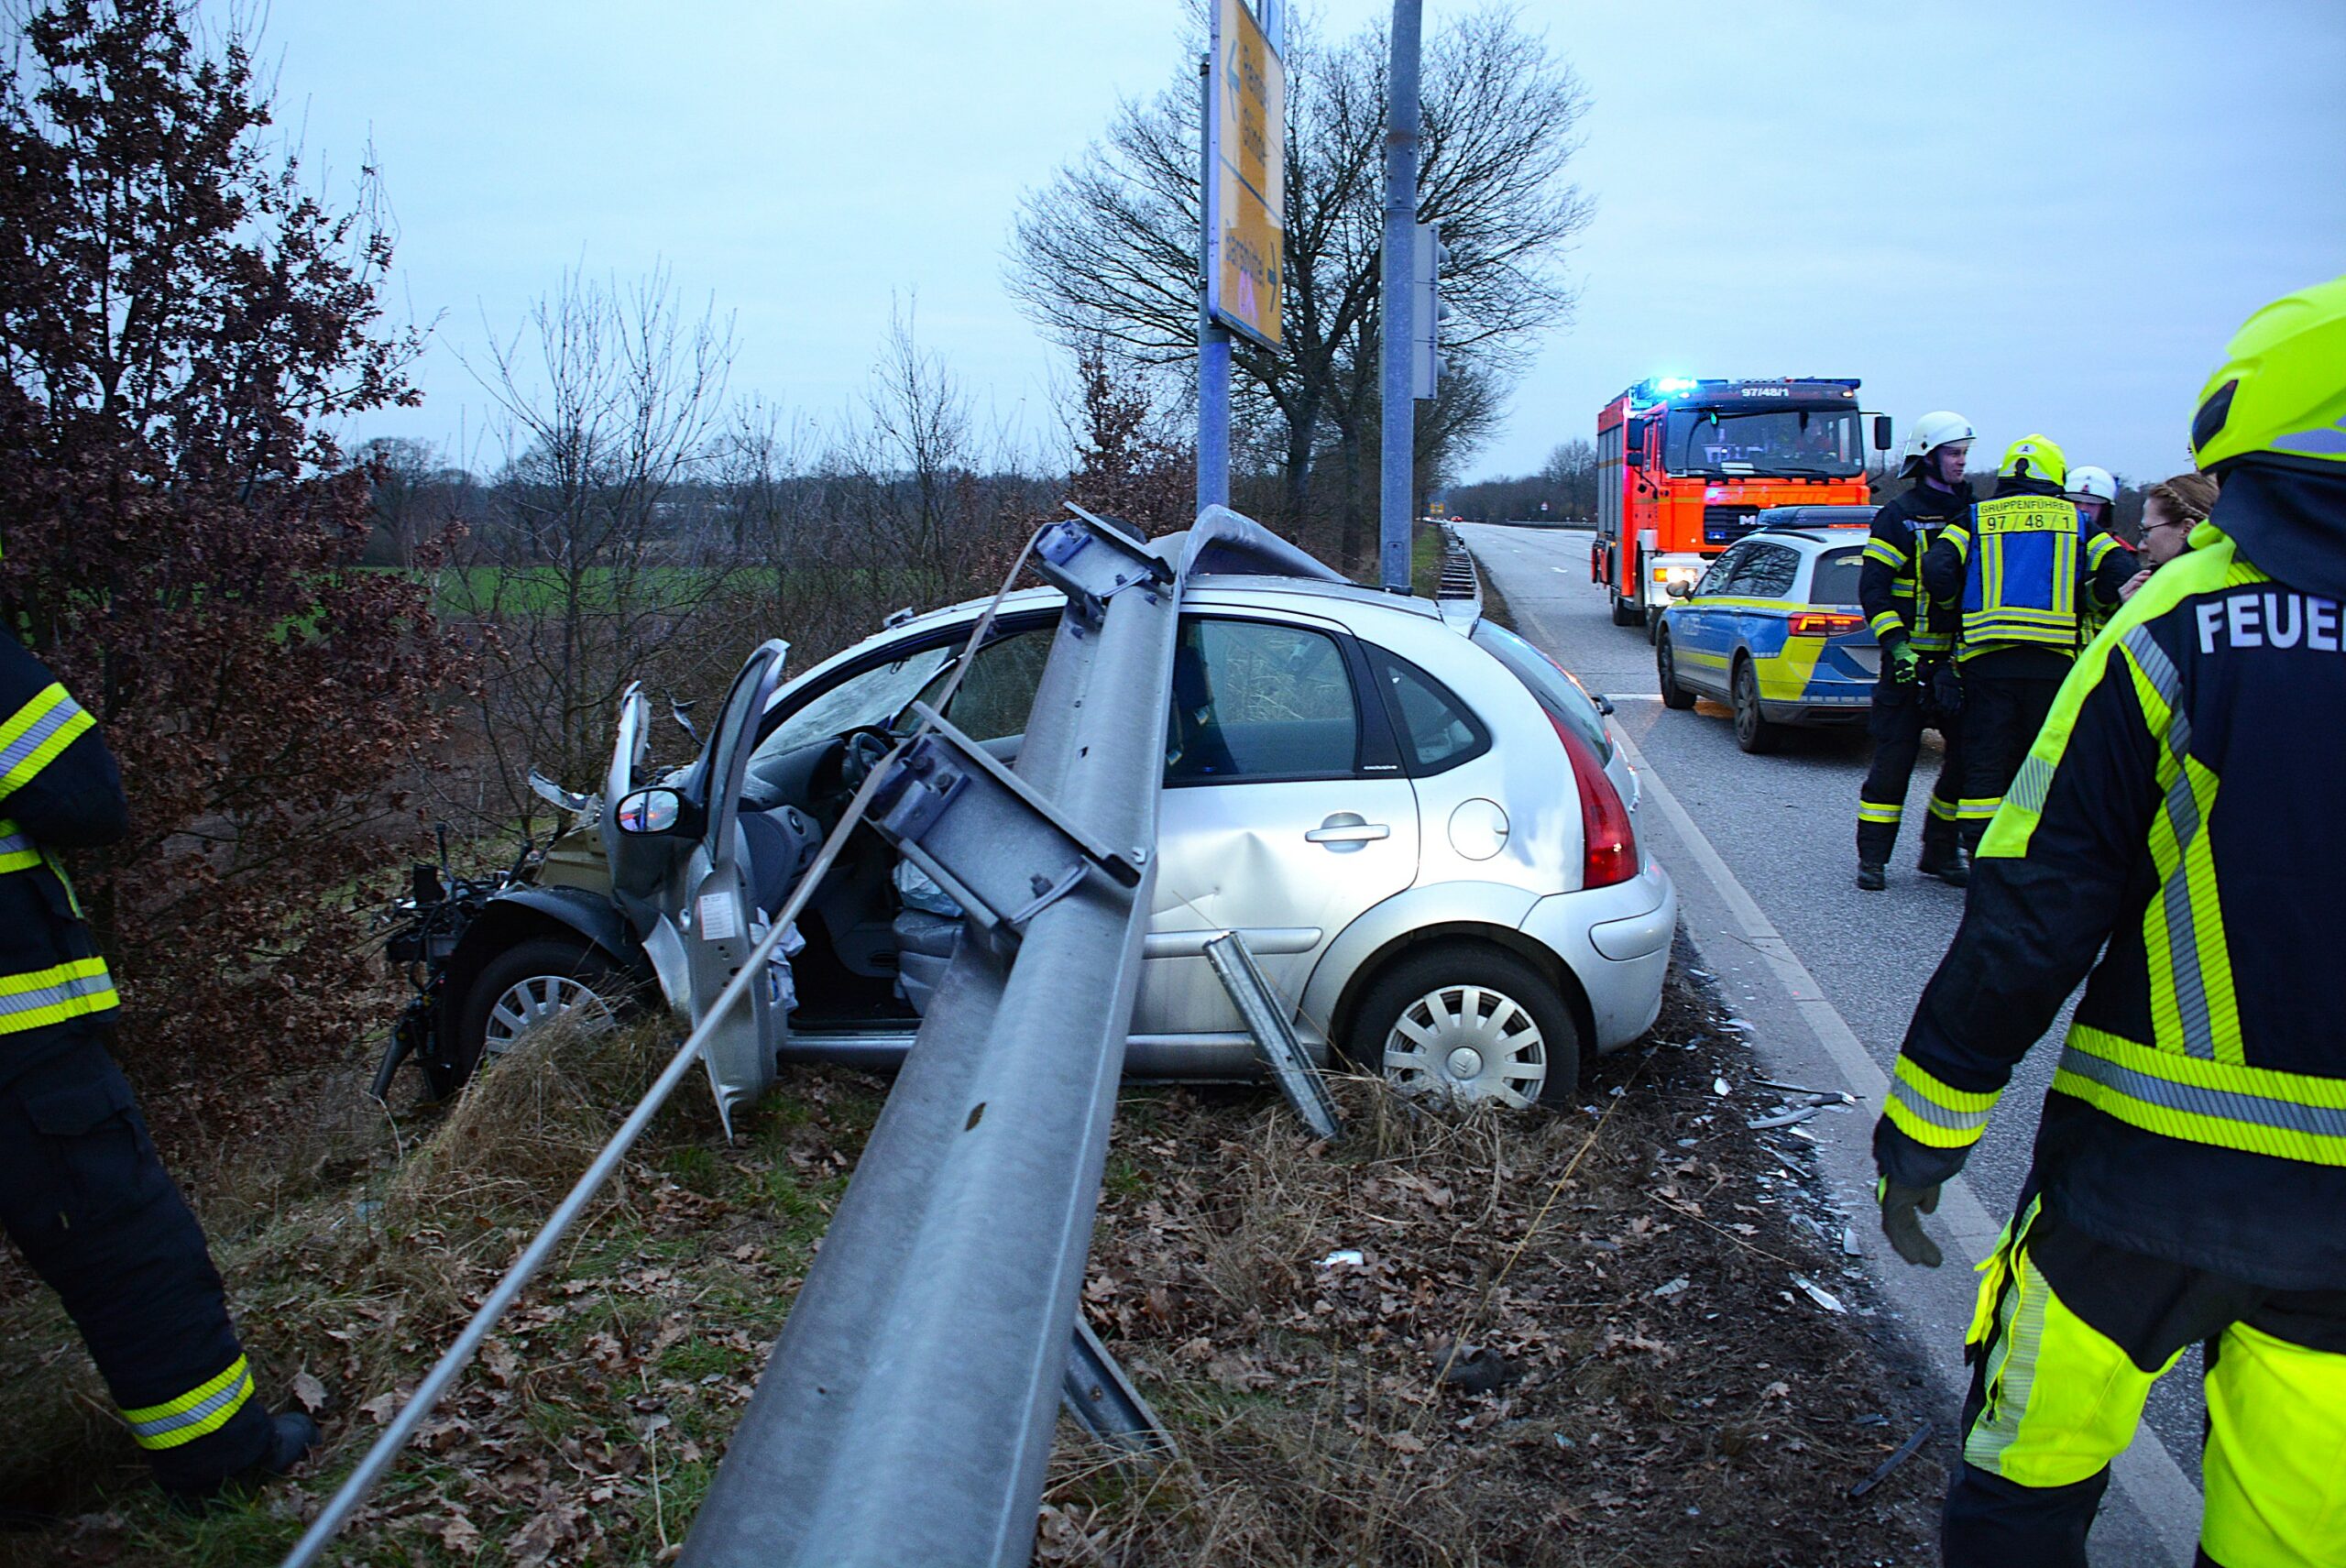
point(1665, 668)
point(1754, 730)
point(525, 987)
point(1471, 1024)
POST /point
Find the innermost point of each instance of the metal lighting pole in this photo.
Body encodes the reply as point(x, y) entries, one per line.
point(1397, 448)
point(1214, 339)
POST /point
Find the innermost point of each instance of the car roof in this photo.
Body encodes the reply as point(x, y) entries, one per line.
point(1227, 590)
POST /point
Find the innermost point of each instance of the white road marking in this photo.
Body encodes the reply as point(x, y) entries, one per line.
point(2148, 1471)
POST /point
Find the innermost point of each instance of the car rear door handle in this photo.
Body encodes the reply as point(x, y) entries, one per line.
point(1347, 830)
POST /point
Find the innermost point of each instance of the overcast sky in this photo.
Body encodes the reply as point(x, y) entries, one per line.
point(2046, 217)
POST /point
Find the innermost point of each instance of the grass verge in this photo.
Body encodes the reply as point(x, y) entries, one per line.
point(1569, 1338)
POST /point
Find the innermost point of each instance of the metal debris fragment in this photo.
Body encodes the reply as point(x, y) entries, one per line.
point(1899, 1455)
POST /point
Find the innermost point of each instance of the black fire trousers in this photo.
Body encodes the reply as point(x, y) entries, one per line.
point(83, 1195)
point(2002, 711)
point(1896, 721)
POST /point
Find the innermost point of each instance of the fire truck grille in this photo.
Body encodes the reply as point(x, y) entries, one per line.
point(1724, 526)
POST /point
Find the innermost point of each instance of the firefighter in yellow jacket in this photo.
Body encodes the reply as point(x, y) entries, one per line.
point(2024, 578)
point(2185, 804)
point(81, 1192)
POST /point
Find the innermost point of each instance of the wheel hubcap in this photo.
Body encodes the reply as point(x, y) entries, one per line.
point(1469, 1043)
point(537, 1000)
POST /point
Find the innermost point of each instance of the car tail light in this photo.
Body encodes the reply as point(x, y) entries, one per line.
point(1821, 623)
point(1608, 840)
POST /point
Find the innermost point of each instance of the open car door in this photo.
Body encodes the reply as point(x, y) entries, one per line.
point(641, 865)
point(716, 911)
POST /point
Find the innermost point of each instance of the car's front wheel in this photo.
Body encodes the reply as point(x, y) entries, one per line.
point(1470, 1022)
point(528, 985)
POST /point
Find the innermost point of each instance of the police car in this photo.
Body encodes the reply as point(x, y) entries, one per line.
point(1773, 629)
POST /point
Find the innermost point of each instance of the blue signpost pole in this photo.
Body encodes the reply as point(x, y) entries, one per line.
point(1214, 339)
point(1398, 444)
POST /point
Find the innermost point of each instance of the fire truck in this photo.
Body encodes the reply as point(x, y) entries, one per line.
point(1684, 468)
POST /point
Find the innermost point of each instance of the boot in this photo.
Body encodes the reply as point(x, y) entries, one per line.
point(1871, 876)
point(291, 1437)
point(296, 1434)
point(1949, 863)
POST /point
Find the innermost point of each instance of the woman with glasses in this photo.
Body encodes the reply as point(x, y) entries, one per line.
point(2171, 510)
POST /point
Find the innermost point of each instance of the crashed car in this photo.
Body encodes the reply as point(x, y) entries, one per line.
point(1418, 824)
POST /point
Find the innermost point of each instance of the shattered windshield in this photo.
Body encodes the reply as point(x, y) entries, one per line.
point(1805, 441)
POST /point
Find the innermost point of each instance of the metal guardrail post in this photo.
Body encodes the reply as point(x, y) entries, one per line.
point(1097, 1393)
point(1298, 1077)
point(906, 1413)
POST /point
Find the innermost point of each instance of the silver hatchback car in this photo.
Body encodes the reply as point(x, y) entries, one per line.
point(1418, 823)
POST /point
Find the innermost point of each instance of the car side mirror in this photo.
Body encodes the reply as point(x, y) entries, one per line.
point(657, 813)
point(1678, 588)
point(1881, 433)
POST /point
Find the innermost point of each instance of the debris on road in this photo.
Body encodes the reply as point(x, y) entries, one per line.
point(1818, 1294)
point(1815, 1096)
point(1900, 1455)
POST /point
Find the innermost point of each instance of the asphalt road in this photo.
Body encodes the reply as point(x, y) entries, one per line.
point(1785, 827)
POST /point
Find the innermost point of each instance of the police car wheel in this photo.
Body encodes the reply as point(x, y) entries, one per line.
point(1754, 731)
point(1665, 664)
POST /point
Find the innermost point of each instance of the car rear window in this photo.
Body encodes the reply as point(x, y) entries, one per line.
point(1834, 579)
point(1555, 689)
point(1437, 730)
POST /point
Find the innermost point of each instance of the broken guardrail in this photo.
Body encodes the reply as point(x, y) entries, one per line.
point(906, 1412)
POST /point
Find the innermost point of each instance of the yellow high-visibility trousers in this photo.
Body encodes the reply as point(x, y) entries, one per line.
point(2068, 1337)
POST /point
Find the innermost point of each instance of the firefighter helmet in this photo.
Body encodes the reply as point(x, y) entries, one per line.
point(2097, 484)
point(1933, 430)
point(2034, 457)
point(2280, 394)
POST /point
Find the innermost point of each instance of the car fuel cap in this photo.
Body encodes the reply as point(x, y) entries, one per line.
point(1478, 829)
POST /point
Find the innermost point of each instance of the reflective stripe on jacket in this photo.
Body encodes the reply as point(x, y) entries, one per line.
point(2186, 804)
point(58, 789)
point(1890, 579)
point(2092, 614)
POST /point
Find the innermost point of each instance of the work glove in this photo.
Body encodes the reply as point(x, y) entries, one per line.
point(1905, 664)
point(1902, 1209)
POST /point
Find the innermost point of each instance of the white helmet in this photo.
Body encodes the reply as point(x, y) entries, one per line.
point(2088, 480)
point(1933, 430)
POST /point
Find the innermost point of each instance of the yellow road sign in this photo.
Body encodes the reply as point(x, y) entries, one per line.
point(1246, 205)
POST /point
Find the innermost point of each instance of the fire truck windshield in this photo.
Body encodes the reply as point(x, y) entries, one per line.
point(1805, 441)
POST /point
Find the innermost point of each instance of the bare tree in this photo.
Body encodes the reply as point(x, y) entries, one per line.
point(1107, 251)
point(586, 571)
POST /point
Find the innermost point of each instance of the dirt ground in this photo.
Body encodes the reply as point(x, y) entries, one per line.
point(1601, 1335)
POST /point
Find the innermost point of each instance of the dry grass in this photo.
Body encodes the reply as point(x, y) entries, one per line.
point(1307, 1400)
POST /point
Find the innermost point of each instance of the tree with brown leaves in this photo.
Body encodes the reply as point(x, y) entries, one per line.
point(182, 322)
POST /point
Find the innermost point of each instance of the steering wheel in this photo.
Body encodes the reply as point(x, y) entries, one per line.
point(861, 749)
